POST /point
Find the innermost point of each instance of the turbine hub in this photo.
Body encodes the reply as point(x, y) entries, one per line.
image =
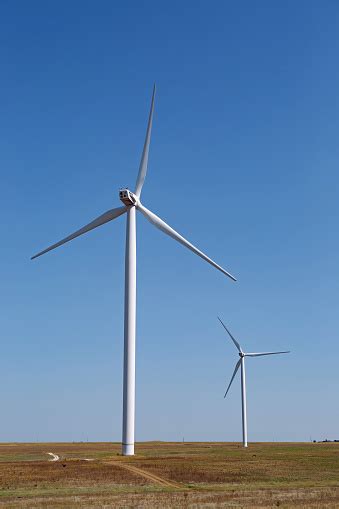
point(241, 355)
point(128, 198)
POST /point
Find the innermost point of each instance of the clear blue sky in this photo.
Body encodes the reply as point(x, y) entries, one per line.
point(243, 162)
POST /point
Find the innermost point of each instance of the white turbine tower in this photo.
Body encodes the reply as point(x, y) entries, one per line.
point(132, 203)
point(241, 363)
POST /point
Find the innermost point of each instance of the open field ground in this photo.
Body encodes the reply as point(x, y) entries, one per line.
point(189, 475)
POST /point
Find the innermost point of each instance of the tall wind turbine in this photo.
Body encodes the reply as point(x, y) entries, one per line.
point(132, 203)
point(241, 363)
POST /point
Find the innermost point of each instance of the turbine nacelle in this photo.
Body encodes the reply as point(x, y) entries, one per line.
point(128, 198)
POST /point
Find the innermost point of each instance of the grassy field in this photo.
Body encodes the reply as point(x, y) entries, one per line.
point(170, 475)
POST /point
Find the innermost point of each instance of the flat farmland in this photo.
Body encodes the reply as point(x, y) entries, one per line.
point(164, 474)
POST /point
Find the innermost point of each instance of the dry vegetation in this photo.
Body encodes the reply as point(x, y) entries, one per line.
point(169, 475)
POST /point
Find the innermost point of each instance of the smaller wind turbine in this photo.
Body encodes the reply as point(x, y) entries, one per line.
point(241, 362)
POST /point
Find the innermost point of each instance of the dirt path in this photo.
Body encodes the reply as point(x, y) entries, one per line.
point(147, 475)
point(55, 457)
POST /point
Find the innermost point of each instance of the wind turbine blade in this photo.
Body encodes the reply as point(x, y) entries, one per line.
point(159, 223)
point(104, 218)
point(232, 338)
point(144, 157)
point(234, 373)
point(264, 353)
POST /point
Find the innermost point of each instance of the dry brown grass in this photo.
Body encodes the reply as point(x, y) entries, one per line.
point(263, 464)
point(64, 474)
point(303, 499)
point(211, 475)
